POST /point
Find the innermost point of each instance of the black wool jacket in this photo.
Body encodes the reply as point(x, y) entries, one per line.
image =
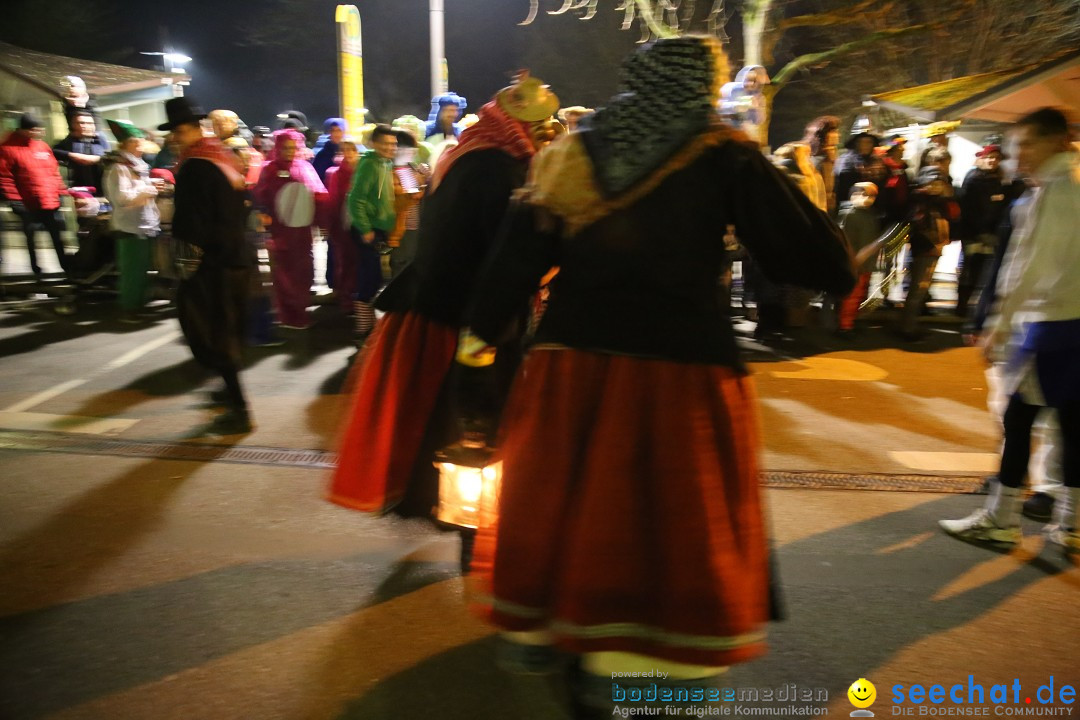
point(459, 223)
point(642, 281)
point(211, 214)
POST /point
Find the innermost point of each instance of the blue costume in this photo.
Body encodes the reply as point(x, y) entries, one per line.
point(325, 149)
point(438, 103)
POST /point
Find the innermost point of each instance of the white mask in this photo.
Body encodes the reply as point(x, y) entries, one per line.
point(405, 156)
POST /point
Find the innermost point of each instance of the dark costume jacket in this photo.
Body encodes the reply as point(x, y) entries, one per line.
point(851, 168)
point(83, 175)
point(211, 214)
point(642, 281)
point(984, 199)
point(459, 223)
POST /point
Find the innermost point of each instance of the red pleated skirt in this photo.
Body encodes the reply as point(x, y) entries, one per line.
point(630, 516)
point(395, 389)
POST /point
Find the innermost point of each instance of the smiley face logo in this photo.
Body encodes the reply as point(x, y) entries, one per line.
point(862, 693)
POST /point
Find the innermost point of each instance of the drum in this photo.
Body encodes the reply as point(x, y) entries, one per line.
point(295, 205)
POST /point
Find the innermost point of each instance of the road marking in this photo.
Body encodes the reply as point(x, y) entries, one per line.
point(44, 396)
point(822, 368)
point(143, 349)
point(947, 461)
point(63, 423)
point(15, 416)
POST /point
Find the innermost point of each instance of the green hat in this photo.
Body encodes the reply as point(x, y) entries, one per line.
point(122, 130)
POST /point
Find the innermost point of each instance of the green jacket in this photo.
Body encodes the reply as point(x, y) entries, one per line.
point(371, 199)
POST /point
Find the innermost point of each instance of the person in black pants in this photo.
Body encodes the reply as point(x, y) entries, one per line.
point(1036, 336)
point(30, 181)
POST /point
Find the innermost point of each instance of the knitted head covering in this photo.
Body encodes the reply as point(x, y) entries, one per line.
point(667, 96)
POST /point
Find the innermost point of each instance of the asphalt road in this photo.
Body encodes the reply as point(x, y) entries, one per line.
point(144, 587)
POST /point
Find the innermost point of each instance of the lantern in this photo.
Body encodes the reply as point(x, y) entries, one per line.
point(468, 482)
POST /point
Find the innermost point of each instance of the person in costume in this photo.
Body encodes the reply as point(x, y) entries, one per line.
point(861, 226)
point(210, 215)
point(444, 121)
point(338, 183)
point(932, 210)
point(823, 135)
point(328, 147)
point(227, 128)
point(984, 198)
point(743, 101)
point(938, 134)
point(327, 154)
point(134, 220)
point(410, 180)
point(372, 211)
point(418, 129)
point(630, 525)
point(859, 163)
point(400, 412)
point(289, 191)
point(896, 193)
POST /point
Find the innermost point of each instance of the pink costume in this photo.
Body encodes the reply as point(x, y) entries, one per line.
point(338, 182)
point(291, 261)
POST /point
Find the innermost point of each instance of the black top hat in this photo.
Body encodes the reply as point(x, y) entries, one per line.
point(180, 111)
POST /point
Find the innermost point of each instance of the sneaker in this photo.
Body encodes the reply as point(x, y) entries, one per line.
point(1039, 507)
point(979, 527)
point(1067, 540)
point(233, 421)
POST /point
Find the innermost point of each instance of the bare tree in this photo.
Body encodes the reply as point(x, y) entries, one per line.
point(964, 38)
point(764, 24)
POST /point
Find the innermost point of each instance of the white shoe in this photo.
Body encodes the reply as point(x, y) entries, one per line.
point(980, 527)
point(1067, 540)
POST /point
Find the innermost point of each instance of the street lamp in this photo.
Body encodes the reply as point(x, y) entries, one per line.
point(171, 59)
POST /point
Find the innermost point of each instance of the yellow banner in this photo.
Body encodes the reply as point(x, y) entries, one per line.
point(350, 66)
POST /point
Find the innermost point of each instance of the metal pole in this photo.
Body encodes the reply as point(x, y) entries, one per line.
point(438, 46)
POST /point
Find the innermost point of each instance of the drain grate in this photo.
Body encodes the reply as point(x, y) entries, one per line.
point(39, 441)
point(872, 481)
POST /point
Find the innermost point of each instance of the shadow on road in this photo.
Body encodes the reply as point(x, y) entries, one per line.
point(838, 585)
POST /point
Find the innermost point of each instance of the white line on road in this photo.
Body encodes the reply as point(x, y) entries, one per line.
point(126, 358)
point(44, 396)
point(143, 349)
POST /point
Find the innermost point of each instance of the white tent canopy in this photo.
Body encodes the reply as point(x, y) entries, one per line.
point(1003, 96)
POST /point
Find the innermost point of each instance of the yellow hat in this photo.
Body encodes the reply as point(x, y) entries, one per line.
point(940, 127)
point(528, 99)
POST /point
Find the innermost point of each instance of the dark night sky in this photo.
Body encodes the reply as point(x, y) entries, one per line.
point(484, 46)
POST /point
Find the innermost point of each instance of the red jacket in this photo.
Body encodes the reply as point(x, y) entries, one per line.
point(29, 173)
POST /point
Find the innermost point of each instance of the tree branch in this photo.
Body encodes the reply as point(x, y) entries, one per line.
point(835, 17)
point(803, 61)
